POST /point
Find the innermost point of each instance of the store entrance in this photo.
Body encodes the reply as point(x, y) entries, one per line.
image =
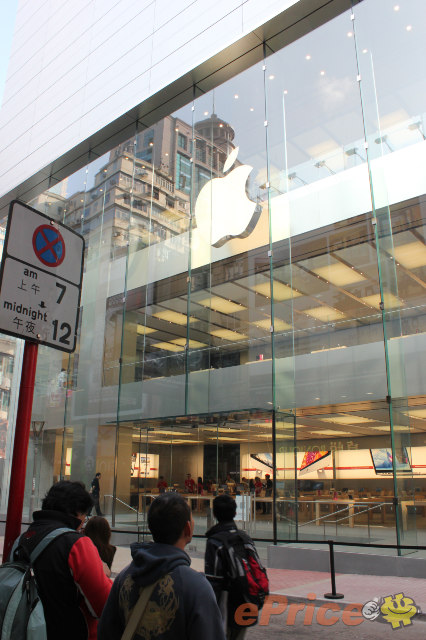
point(204, 455)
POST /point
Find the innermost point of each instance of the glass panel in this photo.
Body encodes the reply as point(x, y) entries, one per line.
point(230, 359)
point(393, 108)
point(286, 496)
point(153, 335)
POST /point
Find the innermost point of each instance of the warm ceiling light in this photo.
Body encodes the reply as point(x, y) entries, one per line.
point(281, 291)
point(193, 344)
point(251, 109)
point(324, 313)
point(221, 304)
point(224, 438)
point(390, 301)
point(322, 73)
point(411, 255)
point(353, 420)
point(349, 34)
point(339, 274)
point(172, 316)
point(227, 334)
point(186, 441)
point(223, 429)
point(408, 27)
point(206, 113)
point(396, 7)
point(395, 428)
point(144, 330)
point(279, 325)
point(416, 413)
point(167, 346)
point(271, 77)
point(329, 432)
point(236, 96)
point(164, 432)
point(308, 57)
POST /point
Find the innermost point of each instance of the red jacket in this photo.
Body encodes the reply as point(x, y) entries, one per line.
point(71, 581)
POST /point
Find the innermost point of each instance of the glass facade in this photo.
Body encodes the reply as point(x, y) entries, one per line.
point(253, 297)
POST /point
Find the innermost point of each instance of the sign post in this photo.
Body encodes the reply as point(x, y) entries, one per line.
point(40, 290)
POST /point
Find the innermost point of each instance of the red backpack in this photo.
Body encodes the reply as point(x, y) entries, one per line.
point(247, 580)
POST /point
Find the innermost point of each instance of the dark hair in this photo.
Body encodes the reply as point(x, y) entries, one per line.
point(68, 497)
point(224, 508)
point(98, 474)
point(99, 531)
point(167, 517)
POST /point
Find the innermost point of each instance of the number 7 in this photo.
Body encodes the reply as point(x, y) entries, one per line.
point(61, 295)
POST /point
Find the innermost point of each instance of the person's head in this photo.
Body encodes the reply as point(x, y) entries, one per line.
point(224, 508)
point(98, 530)
point(200, 480)
point(98, 475)
point(170, 520)
point(188, 475)
point(267, 476)
point(161, 477)
point(68, 497)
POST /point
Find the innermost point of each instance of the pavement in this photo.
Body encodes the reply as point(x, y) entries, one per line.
point(302, 586)
point(308, 586)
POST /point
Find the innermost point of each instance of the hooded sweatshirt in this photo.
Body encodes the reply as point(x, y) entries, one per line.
point(181, 607)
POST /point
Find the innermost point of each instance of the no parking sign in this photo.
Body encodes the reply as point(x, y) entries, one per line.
point(40, 279)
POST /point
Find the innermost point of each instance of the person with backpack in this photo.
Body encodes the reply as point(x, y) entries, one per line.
point(69, 576)
point(158, 595)
point(233, 567)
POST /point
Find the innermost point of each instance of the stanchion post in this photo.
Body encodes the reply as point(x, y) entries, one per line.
point(333, 595)
point(20, 448)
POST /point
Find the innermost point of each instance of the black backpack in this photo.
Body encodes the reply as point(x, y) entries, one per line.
point(246, 577)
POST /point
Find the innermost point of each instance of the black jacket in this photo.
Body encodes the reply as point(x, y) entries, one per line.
point(95, 488)
point(182, 606)
point(70, 578)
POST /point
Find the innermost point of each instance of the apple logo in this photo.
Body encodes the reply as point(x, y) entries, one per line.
point(223, 209)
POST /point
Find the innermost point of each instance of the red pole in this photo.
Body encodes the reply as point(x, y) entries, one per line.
point(20, 448)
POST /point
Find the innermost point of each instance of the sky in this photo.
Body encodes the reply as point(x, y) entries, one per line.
point(8, 10)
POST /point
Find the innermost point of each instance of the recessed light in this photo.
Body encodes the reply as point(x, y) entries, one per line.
point(324, 313)
point(227, 334)
point(271, 77)
point(365, 50)
point(308, 57)
point(322, 73)
point(251, 109)
point(221, 305)
point(339, 274)
point(349, 34)
point(236, 96)
point(166, 346)
point(206, 113)
point(281, 291)
point(408, 27)
point(172, 316)
point(285, 92)
point(396, 7)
